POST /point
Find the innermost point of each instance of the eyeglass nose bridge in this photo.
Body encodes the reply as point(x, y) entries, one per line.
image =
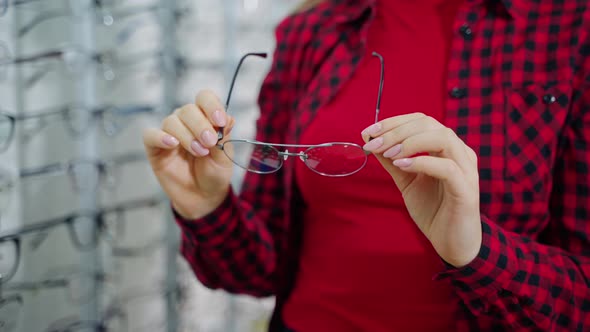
point(286, 154)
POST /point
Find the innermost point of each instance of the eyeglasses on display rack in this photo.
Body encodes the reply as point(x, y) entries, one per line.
point(107, 12)
point(113, 320)
point(75, 60)
point(5, 4)
point(76, 119)
point(10, 310)
point(110, 225)
point(334, 159)
point(6, 190)
point(86, 174)
point(76, 284)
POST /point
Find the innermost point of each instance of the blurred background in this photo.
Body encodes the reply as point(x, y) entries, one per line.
point(87, 241)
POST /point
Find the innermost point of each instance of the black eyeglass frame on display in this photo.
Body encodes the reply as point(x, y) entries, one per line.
point(9, 322)
point(13, 239)
point(280, 152)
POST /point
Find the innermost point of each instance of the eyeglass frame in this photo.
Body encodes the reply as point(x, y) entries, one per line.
point(71, 56)
point(73, 323)
point(12, 123)
point(284, 155)
point(101, 166)
point(5, 4)
point(64, 279)
point(4, 300)
point(105, 13)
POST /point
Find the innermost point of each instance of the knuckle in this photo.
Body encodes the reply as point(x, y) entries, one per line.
point(449, 133)
point(431, 123)
point(472, 153)
point(205, 95)
point(167, 122)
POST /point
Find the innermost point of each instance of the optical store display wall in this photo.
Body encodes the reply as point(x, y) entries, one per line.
point(87, 242)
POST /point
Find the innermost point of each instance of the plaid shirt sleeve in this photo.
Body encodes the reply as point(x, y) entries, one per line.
point(235, 247)
point(523, 284)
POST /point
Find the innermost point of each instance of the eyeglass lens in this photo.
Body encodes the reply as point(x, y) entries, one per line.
point(6, 188)
point(8, 259)
point(335, 159)
point(83, 235)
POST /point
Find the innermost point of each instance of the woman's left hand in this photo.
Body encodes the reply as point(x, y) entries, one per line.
point(437, 175)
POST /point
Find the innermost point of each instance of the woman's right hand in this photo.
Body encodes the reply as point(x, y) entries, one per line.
point(191, 170)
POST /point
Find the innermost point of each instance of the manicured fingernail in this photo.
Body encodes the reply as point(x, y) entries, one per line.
point(209, 138)
point(170, 140)
point(374, 144)
point(372, 129)
point(404, 162)
point(392, 152)
point(219, 118)
point(198, 149)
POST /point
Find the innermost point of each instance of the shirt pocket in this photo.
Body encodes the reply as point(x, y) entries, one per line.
point(535, 118)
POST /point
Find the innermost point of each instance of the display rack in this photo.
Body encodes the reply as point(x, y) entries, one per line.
point(83, 78)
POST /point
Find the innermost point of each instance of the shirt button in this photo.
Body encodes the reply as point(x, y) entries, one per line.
point(457, 93)
point(549, 98)
point(466, 31)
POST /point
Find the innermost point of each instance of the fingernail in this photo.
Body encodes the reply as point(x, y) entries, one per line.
point(404, 162)
point(372, 129)
point(198, 149)
point(219, 118)
point(392, 152)
point(209, 138)
point(374, 144)
point(170, 140)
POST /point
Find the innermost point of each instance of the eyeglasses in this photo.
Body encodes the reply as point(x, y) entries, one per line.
point(86, 174)
point(6, 190)
point(334, 159)
point(75, 60)
point(106, 12)
point(4, 4)
point(77, 285)
point(113, 320)
point(108, 222)
point(10, 310)
point(7, 122)
point(76, 119)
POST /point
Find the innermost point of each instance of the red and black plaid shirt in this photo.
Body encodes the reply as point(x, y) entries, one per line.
point(519, 95)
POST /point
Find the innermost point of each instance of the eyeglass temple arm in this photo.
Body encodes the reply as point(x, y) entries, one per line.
point(231, 87)
point(380, 86)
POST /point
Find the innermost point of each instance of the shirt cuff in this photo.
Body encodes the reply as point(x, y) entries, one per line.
point(484, 279)
point(213, 229)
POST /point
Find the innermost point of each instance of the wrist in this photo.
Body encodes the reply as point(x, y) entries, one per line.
point(198, 207)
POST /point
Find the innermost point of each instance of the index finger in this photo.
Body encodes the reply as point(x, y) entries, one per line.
point(385, 125)
point(210, 104)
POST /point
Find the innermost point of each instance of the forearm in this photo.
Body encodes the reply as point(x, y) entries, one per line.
point(524, 283)
point(227, 250)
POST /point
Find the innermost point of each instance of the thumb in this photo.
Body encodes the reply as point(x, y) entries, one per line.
point(400, 177)
point(220, 156)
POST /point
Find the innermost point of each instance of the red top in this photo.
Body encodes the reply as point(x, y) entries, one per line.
point(364, 264)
